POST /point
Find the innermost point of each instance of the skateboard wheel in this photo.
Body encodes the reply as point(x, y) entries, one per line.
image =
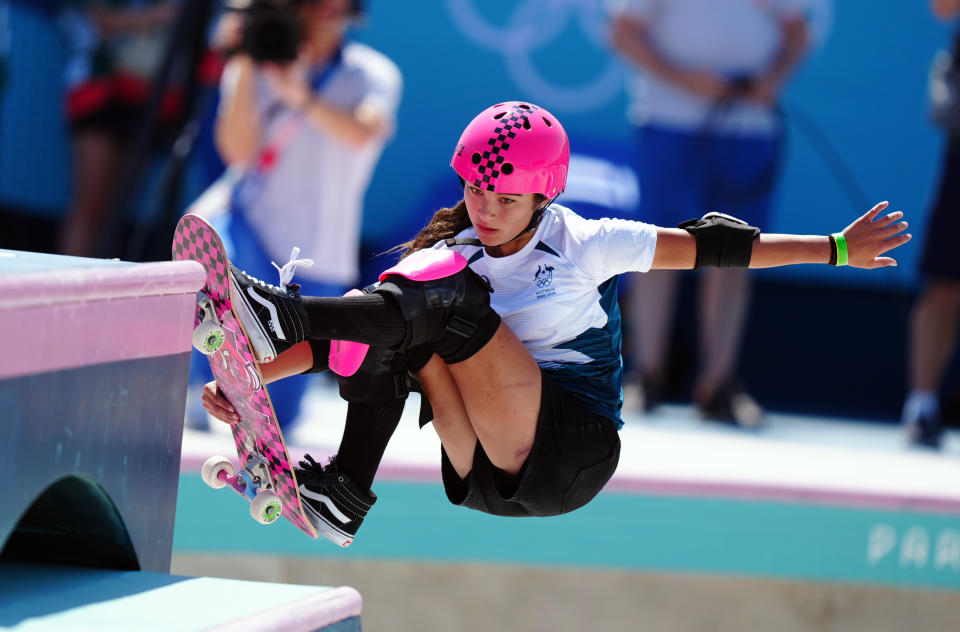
point(266, 508)
point(208, 338)
point(210, 473)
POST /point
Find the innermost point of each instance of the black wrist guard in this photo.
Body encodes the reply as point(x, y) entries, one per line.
point(722, 241)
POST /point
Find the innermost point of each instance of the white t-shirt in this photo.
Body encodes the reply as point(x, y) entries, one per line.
point(313, 197)
point(728, 37)
point(558, 294)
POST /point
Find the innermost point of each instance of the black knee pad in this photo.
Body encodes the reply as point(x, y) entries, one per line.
point(384, 375)
point(369, 388)
point(451, 314)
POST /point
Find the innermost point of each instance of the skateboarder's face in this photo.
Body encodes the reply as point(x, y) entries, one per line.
point(499, 217)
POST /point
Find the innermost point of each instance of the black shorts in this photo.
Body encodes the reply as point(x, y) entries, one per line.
point(574, 454)
point(939, 260)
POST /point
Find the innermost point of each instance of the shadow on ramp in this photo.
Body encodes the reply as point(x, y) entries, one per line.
point(72, 522)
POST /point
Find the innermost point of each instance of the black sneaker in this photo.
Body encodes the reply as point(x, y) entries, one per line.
point(732, 404)
point(926, 431)
point(273, 317)
point(334, 505)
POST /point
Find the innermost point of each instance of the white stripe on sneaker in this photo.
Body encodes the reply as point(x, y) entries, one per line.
point(325, 528)
point(263, 348)
point(274, 319)
point(339, 515)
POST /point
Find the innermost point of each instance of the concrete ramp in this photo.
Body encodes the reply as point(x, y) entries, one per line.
point(38, 598)
point(93, 382)
point(92, 388)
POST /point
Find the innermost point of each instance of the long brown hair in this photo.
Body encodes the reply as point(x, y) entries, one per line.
point(447, 223)
point(444, 224)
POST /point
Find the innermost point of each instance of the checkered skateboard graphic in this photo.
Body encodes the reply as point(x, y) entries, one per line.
point(490, 163)
point(236, 371)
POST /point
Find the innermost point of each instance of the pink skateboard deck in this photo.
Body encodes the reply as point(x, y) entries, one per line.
point(265, 476)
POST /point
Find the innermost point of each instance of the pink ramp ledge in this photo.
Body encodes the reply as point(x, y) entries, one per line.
point(315, 612)
point(71, 312)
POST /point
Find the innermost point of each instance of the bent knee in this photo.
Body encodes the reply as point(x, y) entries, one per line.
point(512, 461)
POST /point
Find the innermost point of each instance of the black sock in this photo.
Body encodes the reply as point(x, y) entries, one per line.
point(372, 319)
point(321, 355)
point(365, 438)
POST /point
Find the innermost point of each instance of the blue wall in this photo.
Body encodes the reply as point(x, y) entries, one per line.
point(34, 150)
point(690, 534)
point(863, 86)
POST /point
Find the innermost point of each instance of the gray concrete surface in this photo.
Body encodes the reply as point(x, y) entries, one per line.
point(407, 596)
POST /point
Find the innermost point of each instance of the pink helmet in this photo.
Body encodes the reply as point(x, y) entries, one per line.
point(514, 147)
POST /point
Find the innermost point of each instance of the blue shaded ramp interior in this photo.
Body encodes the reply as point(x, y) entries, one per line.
point(36, 597)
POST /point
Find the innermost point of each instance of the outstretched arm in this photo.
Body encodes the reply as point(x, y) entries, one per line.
point(868, 238)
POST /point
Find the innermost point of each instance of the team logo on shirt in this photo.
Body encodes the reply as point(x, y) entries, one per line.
point(544, 281)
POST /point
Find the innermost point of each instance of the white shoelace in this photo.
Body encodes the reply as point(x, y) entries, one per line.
point(288, 269)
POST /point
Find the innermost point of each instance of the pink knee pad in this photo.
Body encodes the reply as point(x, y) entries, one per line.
point(346, 356)
point(428, 265)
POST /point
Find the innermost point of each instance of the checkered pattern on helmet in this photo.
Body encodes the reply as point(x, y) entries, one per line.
point(234, 370)
point(492, 159)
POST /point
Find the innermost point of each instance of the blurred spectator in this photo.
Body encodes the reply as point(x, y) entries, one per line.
point(704, 101)
point(933, 326)
point(306, 133)
point(114, 48)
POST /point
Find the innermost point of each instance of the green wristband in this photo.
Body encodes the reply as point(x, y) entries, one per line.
point(842, 255)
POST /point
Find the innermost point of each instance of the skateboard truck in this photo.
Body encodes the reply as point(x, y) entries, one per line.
point(253, 481)
point(208, 335)
point(258, 472)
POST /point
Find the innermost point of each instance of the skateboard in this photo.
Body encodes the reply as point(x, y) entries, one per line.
point(264, 476)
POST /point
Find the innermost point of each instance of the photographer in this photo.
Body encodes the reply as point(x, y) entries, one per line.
point(304, 115)
point(936, 312)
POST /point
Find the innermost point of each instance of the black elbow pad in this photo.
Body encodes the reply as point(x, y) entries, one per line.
point(723, 241)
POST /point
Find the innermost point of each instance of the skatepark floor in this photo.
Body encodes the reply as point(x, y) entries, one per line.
point(672, 444)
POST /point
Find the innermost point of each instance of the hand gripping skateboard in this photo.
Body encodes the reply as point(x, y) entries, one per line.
point(265, 476)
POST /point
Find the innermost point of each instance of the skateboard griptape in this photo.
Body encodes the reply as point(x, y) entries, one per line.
point(235, 368)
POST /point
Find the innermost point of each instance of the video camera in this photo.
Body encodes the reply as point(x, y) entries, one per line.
point(272, 29)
